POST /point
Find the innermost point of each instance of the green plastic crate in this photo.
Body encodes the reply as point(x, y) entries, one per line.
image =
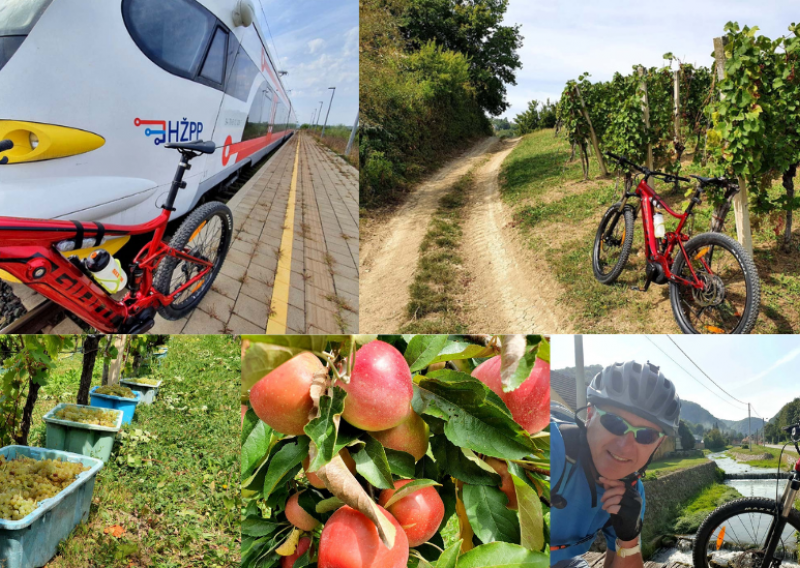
point(84, 439)
point(148, 393)
point(33, 541)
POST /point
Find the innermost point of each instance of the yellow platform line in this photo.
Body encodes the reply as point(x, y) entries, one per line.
point(279, 306)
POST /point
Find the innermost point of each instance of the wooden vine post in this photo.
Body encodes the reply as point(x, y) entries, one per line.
point(595, 145)
point(741, 209)
point(646, 111)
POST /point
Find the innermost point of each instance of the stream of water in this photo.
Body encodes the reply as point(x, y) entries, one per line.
point(682, 551)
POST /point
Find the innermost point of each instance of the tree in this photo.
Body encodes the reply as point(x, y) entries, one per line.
point(547, 116)
point(714, 440)
point(686, 436)
point(472, 474)
point(528, 121)
point(474, 29)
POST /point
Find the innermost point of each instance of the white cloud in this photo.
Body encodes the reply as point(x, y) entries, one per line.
point(315, 44)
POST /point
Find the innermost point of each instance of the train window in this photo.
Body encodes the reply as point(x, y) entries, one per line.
point(256, 126)
point(266, 112)
point(174, 34)
point(16, 21)
point(214, 65)
point(242, 76)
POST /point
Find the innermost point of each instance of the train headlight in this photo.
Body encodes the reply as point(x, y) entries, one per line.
point(34, 141)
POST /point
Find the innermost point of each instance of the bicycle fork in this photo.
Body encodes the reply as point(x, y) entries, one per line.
point(784, 508)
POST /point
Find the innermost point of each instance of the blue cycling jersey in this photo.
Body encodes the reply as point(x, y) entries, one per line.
point(574, 527)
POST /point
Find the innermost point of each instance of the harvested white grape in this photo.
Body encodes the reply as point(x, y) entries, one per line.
point(24, 482)
point(143, 381)
point(85, 415)
point(116, 390)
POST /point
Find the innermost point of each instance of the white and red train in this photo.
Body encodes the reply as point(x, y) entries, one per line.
point(91, 90)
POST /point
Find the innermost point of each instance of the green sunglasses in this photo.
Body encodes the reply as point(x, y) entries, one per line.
point(619, 427)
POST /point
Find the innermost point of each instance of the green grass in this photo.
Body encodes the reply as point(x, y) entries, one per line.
point(558, 214)
point(696, 511)
point(754, 450)
point(336, 138)
point(178, 498)
point(433, 295)
point(662, 467)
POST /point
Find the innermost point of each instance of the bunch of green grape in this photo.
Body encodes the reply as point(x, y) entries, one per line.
point(24, 482)
point(116, 390)
point(143, 381)
point(88, 415)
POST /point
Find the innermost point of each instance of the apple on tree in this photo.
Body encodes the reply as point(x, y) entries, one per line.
point(419, 513)
point(410, 436)
point(282, 398)
point(530, 402)
point(298, 516)
point(380, 389)
point(350, 540)
point(303, 544)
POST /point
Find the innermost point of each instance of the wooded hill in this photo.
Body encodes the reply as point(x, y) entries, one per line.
point(430, 72)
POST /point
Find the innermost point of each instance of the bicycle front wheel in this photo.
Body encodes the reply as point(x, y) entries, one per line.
point(729, 299)
point(205, 234)
point(736, 534)
point(612, 246)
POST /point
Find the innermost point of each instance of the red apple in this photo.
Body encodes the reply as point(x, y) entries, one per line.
point(419, 513)
point(302, 545)
point(298, 516)
point(315, 480)
point(350, 540)
point(530, 402)
point(380, 391)
point(507, 484)
point(282, 398)
point(410, 436)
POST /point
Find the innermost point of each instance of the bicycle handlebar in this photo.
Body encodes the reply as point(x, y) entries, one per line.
point(669, 178)
point(6, 145)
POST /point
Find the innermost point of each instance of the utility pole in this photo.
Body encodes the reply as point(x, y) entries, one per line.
point(580, 376)
point(352, 137)
point(321, 136)
point(318, 113)
point(749, 440)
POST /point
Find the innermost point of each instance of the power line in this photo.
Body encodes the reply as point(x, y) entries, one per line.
point(266, 21)
point(691, 375)
point(702, 371)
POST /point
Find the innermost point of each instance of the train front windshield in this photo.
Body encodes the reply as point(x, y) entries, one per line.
point(17, 18)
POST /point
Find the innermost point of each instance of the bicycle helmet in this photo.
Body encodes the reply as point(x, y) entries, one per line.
point(640, 389)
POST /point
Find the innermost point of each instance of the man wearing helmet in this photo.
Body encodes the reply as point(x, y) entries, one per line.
point(596, 466)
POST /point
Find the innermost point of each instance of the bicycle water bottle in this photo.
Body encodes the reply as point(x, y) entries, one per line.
point(658, 225)
point(106, 271)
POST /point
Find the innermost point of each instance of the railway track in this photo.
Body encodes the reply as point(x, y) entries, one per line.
point(15, 318)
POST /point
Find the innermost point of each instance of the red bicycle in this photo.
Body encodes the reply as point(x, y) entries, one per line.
point(170, 280)
point(713, 282)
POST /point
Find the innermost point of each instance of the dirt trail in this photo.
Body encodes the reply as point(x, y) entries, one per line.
point(389, 254)
point(511, 290)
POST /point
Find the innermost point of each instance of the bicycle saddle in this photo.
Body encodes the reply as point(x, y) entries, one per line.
point(194, 146)
point(719, 181)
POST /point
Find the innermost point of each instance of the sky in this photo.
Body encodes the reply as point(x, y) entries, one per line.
point(316, 41)
point(763, 370)
point(564, 38)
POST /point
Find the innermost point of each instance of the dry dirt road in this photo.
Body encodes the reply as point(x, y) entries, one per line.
point(511, 292)
point(506, 293)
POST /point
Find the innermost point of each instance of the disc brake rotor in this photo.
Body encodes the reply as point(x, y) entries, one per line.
point(712, 293)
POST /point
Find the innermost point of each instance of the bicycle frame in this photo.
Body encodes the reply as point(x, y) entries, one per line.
point(28, 252)
point(649, 199)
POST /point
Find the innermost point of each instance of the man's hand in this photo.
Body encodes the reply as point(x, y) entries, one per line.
point(624, 503)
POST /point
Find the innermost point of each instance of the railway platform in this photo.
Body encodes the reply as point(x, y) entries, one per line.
point(293, 263)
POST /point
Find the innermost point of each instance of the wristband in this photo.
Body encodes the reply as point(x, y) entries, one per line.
point(625, 552)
